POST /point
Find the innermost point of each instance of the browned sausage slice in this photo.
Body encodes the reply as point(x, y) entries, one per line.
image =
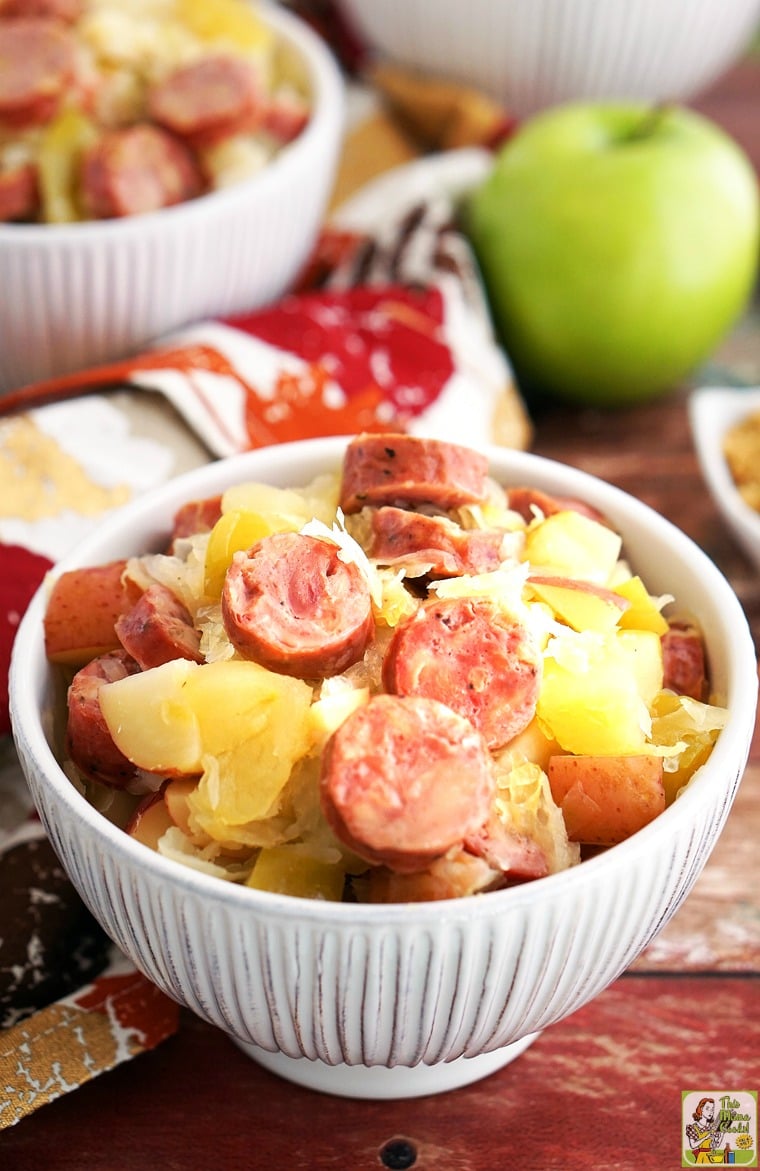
point(431, 544)
point(208, 100)
point(197, 516)
point(405, 779)
point(157, 629)
point(88, 740)
point(403, 470)
point(137, 169)
point(18, 193)
point(469, 654)
point(291, 604)
point(683, 660)
point(38, 59)
point(66, 10)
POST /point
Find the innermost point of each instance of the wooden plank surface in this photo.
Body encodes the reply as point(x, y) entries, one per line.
point(599, 1090)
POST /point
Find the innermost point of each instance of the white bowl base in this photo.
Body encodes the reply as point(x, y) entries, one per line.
point(380, 1082)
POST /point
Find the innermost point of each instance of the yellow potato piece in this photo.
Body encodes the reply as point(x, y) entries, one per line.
point(168, 719)
point(643, 612)
point(590, 702)
point(574, 545)
point(150, 720)
point(582, 605)
point(229, 20)
point(62, 142)
point(245, 781)
point(289, 870)
point(233, 532)
point(643, 650)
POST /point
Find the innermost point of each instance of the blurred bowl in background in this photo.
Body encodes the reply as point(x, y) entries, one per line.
point(75, 295)
point(713, 412)
point(534, 53)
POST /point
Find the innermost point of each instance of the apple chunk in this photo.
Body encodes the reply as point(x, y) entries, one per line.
point(581, 604)
point(172, 717)
point(151, 722)
point(605, 799)
point(568, 544)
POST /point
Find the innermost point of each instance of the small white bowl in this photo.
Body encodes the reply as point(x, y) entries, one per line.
point(535, 53)
point(390, 1001)
point(713, 410)
point(75, 295)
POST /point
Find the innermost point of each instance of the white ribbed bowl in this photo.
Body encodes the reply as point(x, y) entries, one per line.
point(535, 53)
point(392, 1001)
point(76, 295)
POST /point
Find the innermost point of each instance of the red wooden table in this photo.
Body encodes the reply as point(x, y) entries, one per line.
point(600, 1089)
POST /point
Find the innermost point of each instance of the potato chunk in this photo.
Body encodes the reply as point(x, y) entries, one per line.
point(605, 799)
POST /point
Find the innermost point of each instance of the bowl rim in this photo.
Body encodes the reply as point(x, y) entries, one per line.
point(327, 111)
point(731, 749)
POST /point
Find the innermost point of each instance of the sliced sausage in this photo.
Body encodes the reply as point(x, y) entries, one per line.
point(291, 604)
point(469, 654)
point(525, 501)
point(431, 544)
point(197, 516)
point(65, 10)
point(157, 629)
point(18, 193)
point(405, 779)
point(683, 660)
point(38, 62)
point(403, 470)
point(208, 100)
point(88, 740)
point(137, 169)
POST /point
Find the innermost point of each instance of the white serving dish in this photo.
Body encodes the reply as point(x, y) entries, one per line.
point(713, 411)
point(535, 53)
point(392, 1001)
point(75, 295)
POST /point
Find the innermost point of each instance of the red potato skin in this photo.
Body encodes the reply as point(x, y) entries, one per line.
point(511, 854)
point(150, 819)
point(88, 740)
point(290, 603)
point(605, 799)
point(404, 471)
point(157, 629)
point(19, 196)
point(404, 780)
point(466, 653)
point(82, 611)
point(683, 661)
point(525, 501)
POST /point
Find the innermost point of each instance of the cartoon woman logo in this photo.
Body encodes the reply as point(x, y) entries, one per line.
point(706, 1137)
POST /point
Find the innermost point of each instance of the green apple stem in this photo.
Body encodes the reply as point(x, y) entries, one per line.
point(650, 122)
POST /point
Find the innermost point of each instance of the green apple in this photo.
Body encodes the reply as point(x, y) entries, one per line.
point(618, 244)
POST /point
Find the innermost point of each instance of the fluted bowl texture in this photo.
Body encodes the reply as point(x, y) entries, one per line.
point(76, 295)
point(392, 1000)
point(535, 53)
